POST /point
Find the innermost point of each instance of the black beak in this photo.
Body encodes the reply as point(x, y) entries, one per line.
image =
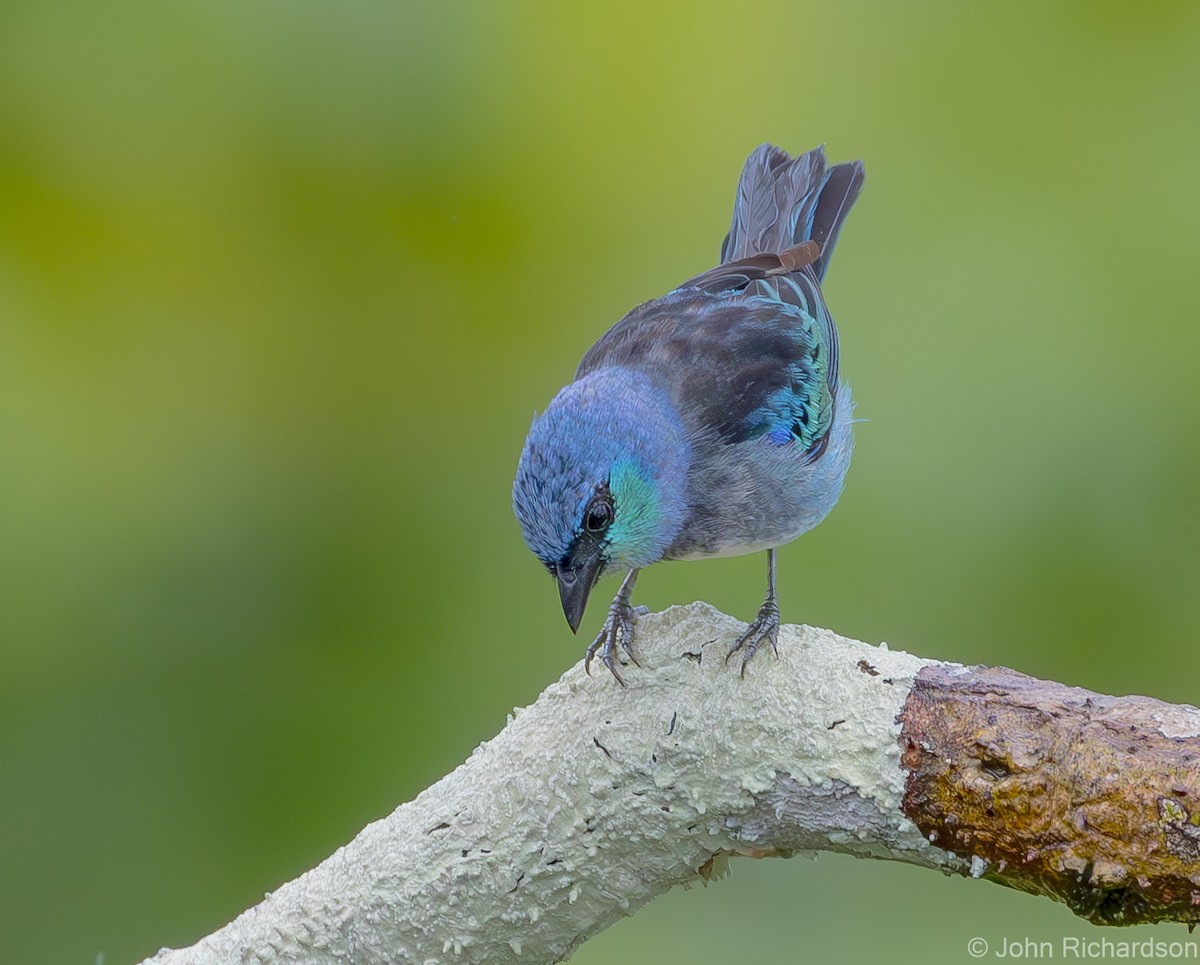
point(576, 576)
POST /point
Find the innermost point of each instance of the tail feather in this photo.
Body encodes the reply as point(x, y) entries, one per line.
point(841, 189)
point(783, 201)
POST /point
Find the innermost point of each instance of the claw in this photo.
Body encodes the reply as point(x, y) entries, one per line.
point(766, 624)
point(618, 625)
point(764, 628)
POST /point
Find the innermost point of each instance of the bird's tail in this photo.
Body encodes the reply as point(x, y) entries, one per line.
point(783, 201)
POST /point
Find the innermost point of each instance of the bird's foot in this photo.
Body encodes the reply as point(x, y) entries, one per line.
point(618, 625)
point(765, 628)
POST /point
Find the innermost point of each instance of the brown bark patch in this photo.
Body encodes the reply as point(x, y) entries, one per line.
point(1091, 800)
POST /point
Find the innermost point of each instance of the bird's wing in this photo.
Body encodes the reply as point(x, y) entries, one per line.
point(789, 277)
point(737, 367)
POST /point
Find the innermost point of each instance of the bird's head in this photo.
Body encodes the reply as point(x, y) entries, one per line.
point(602, 482)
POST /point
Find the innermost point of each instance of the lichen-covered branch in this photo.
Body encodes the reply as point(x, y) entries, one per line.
point(598, 797)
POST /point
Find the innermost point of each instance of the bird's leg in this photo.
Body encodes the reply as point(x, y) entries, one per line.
point(766, 625)
point(619, 623)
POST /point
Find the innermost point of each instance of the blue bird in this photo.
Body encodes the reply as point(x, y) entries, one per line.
point(708, 422)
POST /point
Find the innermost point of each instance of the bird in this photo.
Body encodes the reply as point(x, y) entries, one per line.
point(709, 422)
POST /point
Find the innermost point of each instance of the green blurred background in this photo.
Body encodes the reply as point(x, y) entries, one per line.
point(281, 284)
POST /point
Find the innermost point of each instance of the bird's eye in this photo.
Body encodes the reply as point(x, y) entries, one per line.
point(599, 516)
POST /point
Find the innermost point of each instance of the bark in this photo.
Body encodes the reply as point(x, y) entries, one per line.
point(597, 798)
point(1091, 800)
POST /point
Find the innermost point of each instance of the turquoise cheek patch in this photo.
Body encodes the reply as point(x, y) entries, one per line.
point(636, 531)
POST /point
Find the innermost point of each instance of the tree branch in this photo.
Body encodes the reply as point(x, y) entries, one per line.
point(598, 798)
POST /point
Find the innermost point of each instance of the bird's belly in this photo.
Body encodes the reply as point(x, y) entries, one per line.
point(742, 536)
point(735, 520)
point(757, 496)
point(731, 549)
